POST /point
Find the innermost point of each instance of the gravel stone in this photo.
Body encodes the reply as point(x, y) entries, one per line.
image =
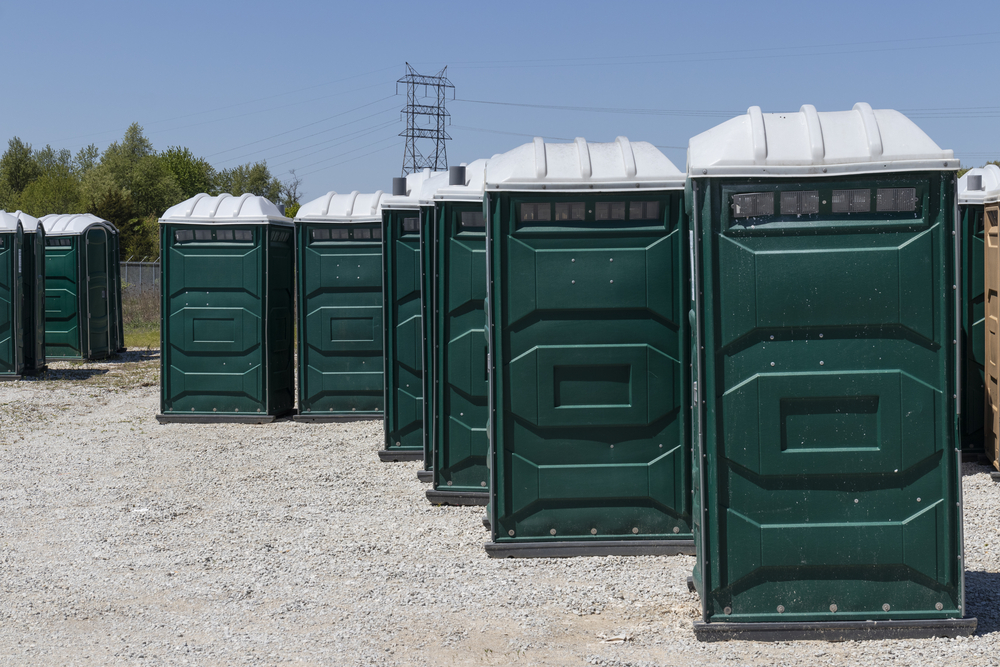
point(128, 542)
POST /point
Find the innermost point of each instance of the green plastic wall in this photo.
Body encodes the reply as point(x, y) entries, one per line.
point(11, 303)
point(828, 424)
point(587, 342)
point(403, 340)
point(459, 405)
point(227, 320)
point(973, 328)
point(34, 300)
point(63, 277)
point(340, 320)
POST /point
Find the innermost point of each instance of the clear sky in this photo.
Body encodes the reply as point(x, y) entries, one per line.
point(311, 86)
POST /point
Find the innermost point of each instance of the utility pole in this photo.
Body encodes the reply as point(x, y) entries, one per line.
point(432, 117)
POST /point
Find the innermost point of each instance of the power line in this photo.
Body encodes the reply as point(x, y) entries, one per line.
point(620, 110)
point(592, 59)
point(309, 136)
point(543, 136)
point(302, 127)
point(359, 157)
point(239, 104)
point(353, 150)
point(346, 141)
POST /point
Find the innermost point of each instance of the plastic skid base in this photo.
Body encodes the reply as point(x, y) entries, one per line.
point(425, 476)
point(216, 419)
point(834, 631)
point(995, 475)
point(396, 455)
point(327, 418)
point(595, 548)
point(457, 497)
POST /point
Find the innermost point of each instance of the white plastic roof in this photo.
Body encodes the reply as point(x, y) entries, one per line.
point(813, 143)
point(353, 207)
point(8, 223)
point(989, 180)
point(617, 165)
point(224, 209)
point(73, 224)
point(414, 190)
point(28, 222)
point(471, 191)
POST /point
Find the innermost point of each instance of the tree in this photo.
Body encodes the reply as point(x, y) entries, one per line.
point(52, 193)
point(18, 167)
point(250, 178)
point(86, 159)
point(193, 175)
point(290, 194)
point(134, 166)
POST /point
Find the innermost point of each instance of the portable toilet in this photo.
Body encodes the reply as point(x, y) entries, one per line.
point(587, 273)
point(456, 237)
point(403, 339)
point(33, 270)
point(991, 311)
point(340, 307)
point(227, 281)
point(80, 287)
point(827, 480)
point(11, 298)
point(972, 189)
point(115, 292)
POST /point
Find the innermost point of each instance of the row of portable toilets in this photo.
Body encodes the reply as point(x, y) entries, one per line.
point(60, 291)
point(774, 361)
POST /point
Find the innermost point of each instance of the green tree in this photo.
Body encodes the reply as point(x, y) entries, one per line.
point(194, 175)
point(250, 178)
point(86, 159)
point(18, 167)
point(134, 166)
point(52, 193)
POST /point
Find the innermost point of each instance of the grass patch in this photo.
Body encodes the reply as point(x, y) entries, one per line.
point(142, 338)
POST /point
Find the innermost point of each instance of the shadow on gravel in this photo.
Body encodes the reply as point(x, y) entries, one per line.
point(52, 375)
point(131, 357)
point(976, 467)
point(982, 600)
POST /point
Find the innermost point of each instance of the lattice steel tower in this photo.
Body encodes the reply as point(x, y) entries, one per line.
point(433, 117)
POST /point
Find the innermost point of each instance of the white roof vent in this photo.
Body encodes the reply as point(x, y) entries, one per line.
point(8, 223)
point(618, 165)
point(351, 207)
point(975, 183)
point(225, 209)
point(813, 143)
point(73, 224)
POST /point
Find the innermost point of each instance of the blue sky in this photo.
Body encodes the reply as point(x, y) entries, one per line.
point(311, 85)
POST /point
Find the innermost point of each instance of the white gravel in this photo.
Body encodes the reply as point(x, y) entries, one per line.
point(127, 542)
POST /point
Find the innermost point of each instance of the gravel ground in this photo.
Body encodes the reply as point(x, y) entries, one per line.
point(127, 542)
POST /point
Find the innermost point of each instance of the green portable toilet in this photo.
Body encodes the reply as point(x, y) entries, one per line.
point(227, 281)
point(587, 274)
point(340, 307)
point(828, 497)
point(402, 323)
point(11, 298)
point(115, 292)
point(972, 189)
point(80, 269)
point(455, 236)
point(33, 271)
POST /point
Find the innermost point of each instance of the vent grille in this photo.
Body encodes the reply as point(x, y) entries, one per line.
point(896, 199)
point(753, 204)
point(800, 203)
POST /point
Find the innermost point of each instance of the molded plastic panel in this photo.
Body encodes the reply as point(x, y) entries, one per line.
point(830, 433)
point(590, 372)
point(403, 338)
point(340, 336)
point(460, 383)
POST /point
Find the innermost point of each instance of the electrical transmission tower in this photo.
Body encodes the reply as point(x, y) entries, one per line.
point(431, 117)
